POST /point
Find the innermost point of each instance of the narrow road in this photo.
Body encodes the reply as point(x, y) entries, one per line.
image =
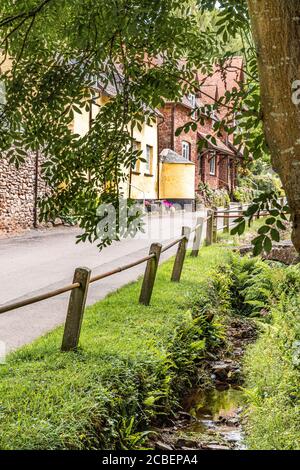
point(43, 260)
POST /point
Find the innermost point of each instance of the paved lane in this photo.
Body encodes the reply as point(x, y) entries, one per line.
point(39, 261)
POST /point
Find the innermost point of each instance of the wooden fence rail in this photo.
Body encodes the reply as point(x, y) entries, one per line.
point(82, 276)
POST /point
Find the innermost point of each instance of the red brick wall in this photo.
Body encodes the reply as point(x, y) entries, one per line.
point(167, 139)
point(181, 117)
point(211, 180)
point(223, 172)
point(165, 129)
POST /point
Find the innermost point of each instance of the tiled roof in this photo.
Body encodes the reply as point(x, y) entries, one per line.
point(169, 156)
point(110, 90)
point(219, 145)
point(223, 78)
point(209, 93)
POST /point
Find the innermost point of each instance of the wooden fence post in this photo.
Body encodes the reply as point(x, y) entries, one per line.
point(226, 220)
point(209, 227)
point(241, 209)
point(76, 310)
point(150, 274)
point(215, 226)
point(180, 255)
point(198, 236)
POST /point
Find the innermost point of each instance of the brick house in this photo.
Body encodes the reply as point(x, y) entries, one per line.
point(217, 163)
point(174, 166)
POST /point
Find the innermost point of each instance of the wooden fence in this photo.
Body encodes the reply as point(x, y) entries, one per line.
point(82, 276)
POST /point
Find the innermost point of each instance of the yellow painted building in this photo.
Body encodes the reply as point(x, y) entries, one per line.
point(142, 180)
point(166, 176)
point(177, 177)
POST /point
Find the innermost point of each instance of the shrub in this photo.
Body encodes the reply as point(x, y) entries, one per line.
point(214, 197)
point(251, 287)
point(246, 286)
point(243, 194)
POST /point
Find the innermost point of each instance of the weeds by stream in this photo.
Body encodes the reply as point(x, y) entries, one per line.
point(213, 413)
point(253, 401)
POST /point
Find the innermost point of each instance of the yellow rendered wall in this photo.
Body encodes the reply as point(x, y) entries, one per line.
point(177, 181)
point(5, 64)
point(144, 186)
point(141, 186)
point(81, 123)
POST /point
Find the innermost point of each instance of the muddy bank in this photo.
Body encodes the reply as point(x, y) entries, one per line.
point(212, 419)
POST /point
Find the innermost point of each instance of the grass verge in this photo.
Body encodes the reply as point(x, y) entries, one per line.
point(270, 293)
point(132, 365)
point(272, 369)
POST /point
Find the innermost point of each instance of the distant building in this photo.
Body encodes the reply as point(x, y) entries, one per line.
point(216, 164)
point(172, 168)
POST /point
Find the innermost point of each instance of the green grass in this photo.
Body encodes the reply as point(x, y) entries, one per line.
point(236, 240)
point(272, 363)
point(124, 374)
point(270, 292)
point(272, 368)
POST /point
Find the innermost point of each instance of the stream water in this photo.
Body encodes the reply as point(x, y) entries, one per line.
point(217, 417)
point(213, 419)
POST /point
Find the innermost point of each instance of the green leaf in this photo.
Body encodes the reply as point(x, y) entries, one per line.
point(264, 229)
point(280, 225)
point(241, 227)
point(275, 235)
point(274, 212)
point(251, 210)
point(258, 240)
point(267, 244)
point(257, 249)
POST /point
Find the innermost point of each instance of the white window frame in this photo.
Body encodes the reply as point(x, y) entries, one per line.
point(148, 162)
point(192, 100)
point(212, 161)
point(186, 150)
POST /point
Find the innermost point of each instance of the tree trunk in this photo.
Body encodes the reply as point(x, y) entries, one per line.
point(276, 31)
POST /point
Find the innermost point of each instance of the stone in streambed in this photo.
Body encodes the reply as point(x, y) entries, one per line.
point(163, 446)
point(214, 447)
point(185, 442)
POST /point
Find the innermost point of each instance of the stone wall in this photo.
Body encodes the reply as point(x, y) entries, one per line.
point(17, 195)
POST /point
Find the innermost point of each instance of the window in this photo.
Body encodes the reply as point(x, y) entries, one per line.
point(149, 157)
point(212, 164)
point(136, 147)
point(186, 150)
point(192, 100)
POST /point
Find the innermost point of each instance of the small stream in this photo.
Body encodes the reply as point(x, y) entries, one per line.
point(213, 418)
point(217, 418)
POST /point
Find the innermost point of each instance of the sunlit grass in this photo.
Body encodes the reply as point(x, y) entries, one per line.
point(80, 400)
